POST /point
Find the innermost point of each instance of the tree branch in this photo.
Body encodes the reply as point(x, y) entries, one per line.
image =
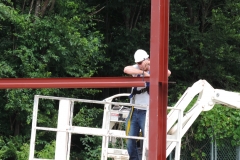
point(37, 8)
point(31, 7)
point(97, 11)
point(44, 7)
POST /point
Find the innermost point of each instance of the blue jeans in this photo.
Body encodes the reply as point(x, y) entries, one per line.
point(137, 123)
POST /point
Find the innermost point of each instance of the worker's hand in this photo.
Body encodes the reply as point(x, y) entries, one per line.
point(146, 65)
point(146, 74)
point(169, 73)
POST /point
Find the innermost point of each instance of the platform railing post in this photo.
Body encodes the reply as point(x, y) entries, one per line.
point(34, 125)
point(62, 125)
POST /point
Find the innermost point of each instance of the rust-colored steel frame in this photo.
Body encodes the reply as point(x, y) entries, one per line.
point(158, 80)
point(94, 82)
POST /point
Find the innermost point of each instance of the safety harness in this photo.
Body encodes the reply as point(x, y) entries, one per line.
point(135, 91)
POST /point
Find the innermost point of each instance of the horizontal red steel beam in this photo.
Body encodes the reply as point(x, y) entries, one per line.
point(93, 82)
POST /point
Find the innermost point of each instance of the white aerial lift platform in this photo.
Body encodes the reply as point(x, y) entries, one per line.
point(177, 123)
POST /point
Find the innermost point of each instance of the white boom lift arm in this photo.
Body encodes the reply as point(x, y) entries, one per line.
point(207, 98)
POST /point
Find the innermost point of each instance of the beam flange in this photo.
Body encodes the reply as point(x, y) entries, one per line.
point(93, 82)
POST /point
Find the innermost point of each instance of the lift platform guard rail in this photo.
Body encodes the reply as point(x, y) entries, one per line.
point(65, 129)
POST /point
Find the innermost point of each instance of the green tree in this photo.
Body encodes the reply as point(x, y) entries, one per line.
point(58, 40)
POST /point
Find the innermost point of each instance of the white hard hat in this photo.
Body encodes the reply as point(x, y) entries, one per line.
point(140, 55)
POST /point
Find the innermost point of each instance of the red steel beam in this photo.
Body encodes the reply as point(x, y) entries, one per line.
point(158, 80)
point(93, 82)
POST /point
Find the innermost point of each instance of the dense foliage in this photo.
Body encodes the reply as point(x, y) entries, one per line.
point(78, 38)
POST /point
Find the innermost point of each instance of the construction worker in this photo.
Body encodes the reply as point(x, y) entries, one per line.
point(139, 95)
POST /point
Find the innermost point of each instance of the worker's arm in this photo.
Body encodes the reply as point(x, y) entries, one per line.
point(134, 71)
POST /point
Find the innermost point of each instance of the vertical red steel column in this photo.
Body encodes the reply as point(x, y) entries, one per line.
point(158, 79)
